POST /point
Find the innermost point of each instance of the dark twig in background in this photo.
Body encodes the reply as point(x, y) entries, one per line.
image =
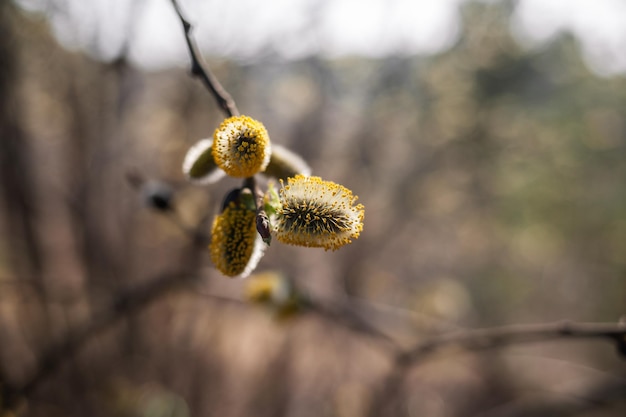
point(124, 304)
point(484, 339)
point(481, 339)
point(131, 301)
point(198, 69)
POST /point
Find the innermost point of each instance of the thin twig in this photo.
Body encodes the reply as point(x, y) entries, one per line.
point(349, 319)
point(200, 70)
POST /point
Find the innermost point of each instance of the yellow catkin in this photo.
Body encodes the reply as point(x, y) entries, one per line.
point(261, 288)
point(275, 292)
point(317, 213)
point(233, 239)
point(241, 146)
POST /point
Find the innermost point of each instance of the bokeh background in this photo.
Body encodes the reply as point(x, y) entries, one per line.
point(486, 140)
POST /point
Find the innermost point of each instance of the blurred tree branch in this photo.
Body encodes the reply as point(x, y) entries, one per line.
point(126, 303)
point(17, 183)
point(482, 339)
point(472, 340)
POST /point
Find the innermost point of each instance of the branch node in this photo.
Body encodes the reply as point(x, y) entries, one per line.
point(566, 328)
point(620, 345)
point(186, 26)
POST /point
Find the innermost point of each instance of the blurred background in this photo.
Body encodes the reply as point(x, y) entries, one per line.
point(486, 140)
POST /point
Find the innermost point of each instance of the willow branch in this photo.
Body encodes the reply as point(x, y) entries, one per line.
point(482, 339)
point(200, 69)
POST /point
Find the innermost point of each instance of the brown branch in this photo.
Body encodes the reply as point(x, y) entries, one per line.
point(126, 303)
point(483, 339)
point(200, 70)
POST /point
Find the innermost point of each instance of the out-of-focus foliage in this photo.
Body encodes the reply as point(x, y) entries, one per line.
point(493, 180)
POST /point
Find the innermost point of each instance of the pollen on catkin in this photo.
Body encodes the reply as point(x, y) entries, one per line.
point(317, 213)
point(241, 146)
point(236, 247)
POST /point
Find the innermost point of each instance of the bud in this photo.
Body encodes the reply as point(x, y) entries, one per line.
point(199, 165)
point(157, 195)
